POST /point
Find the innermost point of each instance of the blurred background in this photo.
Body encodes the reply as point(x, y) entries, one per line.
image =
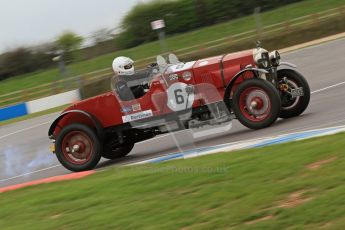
point(55, 47)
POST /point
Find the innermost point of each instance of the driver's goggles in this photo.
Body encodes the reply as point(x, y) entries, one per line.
point(129, 66)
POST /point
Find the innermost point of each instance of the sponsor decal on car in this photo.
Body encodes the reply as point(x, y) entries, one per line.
point(126, 109)
point(137, 116)
point(173, 77)
point(136, 107)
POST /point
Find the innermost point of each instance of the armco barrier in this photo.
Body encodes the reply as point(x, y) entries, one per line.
point(39, 105)
point(52, 101)
point(13, 111)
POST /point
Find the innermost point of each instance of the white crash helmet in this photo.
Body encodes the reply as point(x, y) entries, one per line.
point(123, 66)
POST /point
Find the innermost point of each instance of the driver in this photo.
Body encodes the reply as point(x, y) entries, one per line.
point(129, 84)
point(123, 66)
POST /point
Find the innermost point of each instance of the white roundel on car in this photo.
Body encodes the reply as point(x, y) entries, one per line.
point(180, 96)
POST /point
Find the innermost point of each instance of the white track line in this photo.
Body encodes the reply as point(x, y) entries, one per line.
point(23, 130)
point(29, 173)
point(328, 87)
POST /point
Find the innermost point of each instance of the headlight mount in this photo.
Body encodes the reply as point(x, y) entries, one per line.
point(274, 57)
point(265, 60)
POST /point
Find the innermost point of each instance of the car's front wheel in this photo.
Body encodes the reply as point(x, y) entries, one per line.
point(78, 147)
point(291, 82)
point(256, 103)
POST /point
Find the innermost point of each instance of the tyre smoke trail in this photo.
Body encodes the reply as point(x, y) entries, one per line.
point(14, 163)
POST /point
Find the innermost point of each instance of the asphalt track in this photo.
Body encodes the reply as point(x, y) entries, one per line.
point(24, 145)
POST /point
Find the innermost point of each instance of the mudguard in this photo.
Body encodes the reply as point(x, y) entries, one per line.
point(94, 120)
point(233, 80)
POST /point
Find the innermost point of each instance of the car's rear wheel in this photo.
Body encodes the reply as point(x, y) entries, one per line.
point(256, 103)
point(78, 147)
point(292, 80)
point(112, 152)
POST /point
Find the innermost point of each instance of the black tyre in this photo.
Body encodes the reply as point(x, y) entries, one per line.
point(115, 152)
point(78, 148)
point(292, 107)
point(256, 103)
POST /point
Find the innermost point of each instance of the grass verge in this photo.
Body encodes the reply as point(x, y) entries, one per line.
point(175, 42)
point(290, 186)
point(33, 115)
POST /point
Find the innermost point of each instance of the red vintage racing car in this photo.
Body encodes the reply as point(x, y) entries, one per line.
point(251, 86)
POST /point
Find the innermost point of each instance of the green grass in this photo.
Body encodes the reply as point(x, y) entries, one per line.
point(33, 115)
point(222, 191)
point(174, 42)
